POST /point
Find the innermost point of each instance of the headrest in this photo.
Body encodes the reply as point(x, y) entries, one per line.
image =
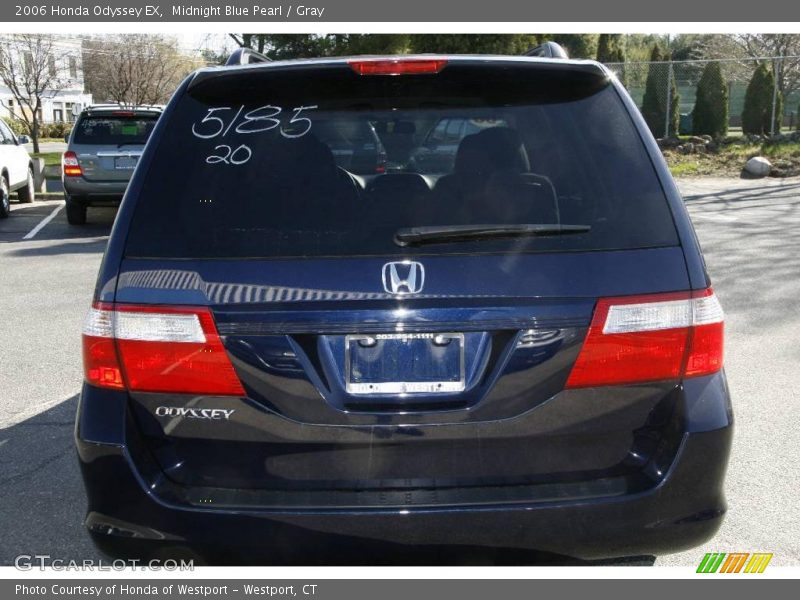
point(491, 150)
point(306, 155)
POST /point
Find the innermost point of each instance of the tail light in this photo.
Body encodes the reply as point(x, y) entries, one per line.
point(70, 164)
point(398, 66)
point(636, 339)
point(156, 349)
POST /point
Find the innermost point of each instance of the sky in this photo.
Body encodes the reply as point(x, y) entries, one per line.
point(198, 41)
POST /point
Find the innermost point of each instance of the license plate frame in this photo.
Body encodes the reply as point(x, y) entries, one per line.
point(454, 383)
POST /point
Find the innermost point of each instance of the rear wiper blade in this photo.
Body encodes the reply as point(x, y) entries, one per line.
point(439, 234)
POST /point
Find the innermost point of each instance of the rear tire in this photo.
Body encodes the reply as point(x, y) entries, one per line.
point(27, 193)
point(5, 204)
point(76, 213)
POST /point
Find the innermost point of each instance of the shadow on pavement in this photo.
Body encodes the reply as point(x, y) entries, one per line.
point(751, 241)
point(89, 246)
point(25, 217)
point(737, 194)
point(42, 502)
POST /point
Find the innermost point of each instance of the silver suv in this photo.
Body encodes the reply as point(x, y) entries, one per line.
point(102, 151)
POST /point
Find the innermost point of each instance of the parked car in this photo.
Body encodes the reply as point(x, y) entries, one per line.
point(103, 149)
point(437, 154)
point(285, 361)
point(355, 145)
point(16, 170)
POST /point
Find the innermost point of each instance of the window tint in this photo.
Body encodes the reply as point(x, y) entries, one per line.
point(114, 129)
point(276, 163)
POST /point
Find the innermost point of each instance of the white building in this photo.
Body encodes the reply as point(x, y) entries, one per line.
point(57, 105)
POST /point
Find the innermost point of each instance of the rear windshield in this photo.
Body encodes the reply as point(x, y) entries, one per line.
point(324, 162)
point(114, 130)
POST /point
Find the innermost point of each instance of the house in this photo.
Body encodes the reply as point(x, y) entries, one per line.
point(57, 105)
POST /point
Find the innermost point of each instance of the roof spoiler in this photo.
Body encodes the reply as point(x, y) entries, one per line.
point(122, 106)
point(245, 56)
point(548, 50)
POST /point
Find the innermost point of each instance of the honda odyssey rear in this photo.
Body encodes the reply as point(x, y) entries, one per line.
point(288, 361)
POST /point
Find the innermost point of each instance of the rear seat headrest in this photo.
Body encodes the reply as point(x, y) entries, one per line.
point(491, 150)
point(305, 155)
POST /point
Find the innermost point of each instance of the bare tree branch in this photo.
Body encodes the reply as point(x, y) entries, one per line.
point(32, 67)
point(134, 69)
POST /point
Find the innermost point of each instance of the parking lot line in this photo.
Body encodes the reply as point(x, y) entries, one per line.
point(42, 223)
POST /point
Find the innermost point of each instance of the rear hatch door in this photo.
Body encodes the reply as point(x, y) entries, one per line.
point(371, 358)
point(109, 143)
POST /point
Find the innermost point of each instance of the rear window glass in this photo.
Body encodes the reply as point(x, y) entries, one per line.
point(319, 161)
point(114, 130)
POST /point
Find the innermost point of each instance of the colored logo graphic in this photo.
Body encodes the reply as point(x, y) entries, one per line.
point(734, 562)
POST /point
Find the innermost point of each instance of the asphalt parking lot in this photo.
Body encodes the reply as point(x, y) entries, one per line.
point(750, 232)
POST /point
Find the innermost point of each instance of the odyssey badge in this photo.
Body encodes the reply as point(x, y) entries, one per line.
point(212, 414)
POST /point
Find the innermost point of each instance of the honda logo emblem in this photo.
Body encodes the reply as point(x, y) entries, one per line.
point(403, 277)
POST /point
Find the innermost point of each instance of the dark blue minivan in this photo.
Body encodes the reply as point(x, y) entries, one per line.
point(288, 360)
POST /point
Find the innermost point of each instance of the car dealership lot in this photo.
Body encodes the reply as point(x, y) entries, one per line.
point(750, 232)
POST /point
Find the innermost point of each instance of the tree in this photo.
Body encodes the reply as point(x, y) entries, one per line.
point(290, 45)
point(757, 113)
point(283, 46)
point(134, 68)
point(462, 43)
point(293, 45)
point(578, 45)
point(214, 57)
point(286, 45)
point(710, 114)
point(687, 46)
point(32, 68)
point(654, 103)
point(611, 48)
point(751, 46)
point(371, 43)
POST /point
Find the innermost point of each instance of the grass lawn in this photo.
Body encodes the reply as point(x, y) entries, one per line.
point(729, 160)
point(51, 159)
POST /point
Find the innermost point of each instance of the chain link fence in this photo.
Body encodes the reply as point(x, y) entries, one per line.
point(736, 74)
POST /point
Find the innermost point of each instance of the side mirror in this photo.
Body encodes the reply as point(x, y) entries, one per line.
point(66, 138)
point(24, 139)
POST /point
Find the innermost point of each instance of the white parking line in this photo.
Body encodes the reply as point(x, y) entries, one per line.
point(43, 222)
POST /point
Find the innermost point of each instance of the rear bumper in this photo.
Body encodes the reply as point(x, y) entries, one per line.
point(684, 509)
point(91, 193)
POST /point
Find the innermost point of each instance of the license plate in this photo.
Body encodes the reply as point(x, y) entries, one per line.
point(125, 163)
point(404, 363)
